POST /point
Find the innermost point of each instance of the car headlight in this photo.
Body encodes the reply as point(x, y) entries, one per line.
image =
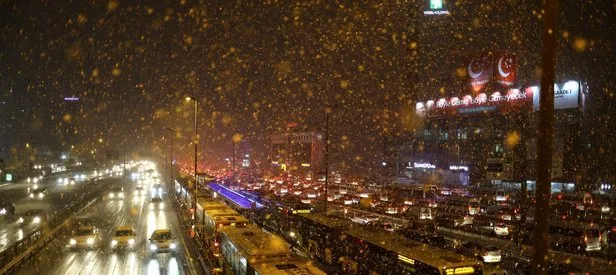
point(41, 195)
point(172, 246)
point(111, 195)
point(153, 247)
point(73, 242)
point(20, 220)
point(121, 195)
point(2, 211)
point(90, 241)
point(114, 243)
point(31, 195)
point(36, 220)
point(131, 241)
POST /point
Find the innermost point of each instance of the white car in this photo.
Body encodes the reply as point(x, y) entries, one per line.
point(116, 192)
point(124, 237)
point(85, 237)
point(491, 254)
point(162, 241)
point(501, 229)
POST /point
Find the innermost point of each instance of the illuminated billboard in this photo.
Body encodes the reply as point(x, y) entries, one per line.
point(480, 71)
point(566, 95)
point(435, 7)
point(513, 99)
point(505, 69)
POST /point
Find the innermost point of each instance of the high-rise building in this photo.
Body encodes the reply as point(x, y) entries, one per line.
point(298, 153)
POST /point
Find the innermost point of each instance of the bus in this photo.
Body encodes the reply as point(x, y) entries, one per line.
point(251, 251)
point(461, 205)
point(573, 236)
point(419, 212)
point(357, 250)
point(215, 220)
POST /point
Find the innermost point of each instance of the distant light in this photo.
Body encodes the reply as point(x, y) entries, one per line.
point(71, 99)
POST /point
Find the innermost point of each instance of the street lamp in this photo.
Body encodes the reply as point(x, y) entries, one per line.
point(171, 153)
point(190, 98)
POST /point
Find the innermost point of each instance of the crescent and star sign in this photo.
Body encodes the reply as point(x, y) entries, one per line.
point(470, 70)
point(500, 68)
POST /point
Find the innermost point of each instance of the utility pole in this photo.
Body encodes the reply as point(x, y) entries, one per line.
point(545, 136)
point(328, 110)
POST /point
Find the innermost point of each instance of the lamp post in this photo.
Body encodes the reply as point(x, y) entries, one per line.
point(194, 203)
point(172, 181)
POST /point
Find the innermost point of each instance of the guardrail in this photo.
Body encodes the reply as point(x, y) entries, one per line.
point(12, 258)
point(196, 248)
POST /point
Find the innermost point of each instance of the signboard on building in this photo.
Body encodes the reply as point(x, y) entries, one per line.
point(481, 103)
point(505, 69)
point(566, 95)
point(479, 71)
point(435, 7)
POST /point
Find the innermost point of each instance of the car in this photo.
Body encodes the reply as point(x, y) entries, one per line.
point(391, 227)
point(491, 254)
point(157, 189)
point(38, 193)
point(85, 237)
point(32, 216)
point(139, 191)
point(161, 241)
point(116, 192)
point(501, 229)
point(124, 237)
point(7, 209)
point(488, 254)
point(157, 203)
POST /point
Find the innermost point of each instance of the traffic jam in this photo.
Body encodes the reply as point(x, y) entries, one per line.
point(581, 222)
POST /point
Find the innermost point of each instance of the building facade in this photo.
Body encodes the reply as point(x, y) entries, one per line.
point(300, 153)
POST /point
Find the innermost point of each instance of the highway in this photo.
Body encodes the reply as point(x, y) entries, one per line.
point(58, 196)
point(107, 214)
